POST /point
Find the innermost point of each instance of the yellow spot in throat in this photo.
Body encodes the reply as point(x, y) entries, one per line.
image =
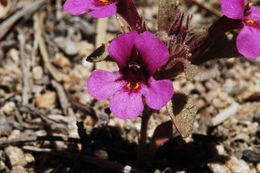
point(105, 1)
point(250, 22)
point(133, 85)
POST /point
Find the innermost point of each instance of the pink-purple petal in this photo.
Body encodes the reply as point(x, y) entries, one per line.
point(126, 105)
point(233, 9)
point(248, 41)
point(76, 7)
point(253, 14)
point(103, 84)
point(153, 51)
point(158, 93)
point(120, 48)
point(105, 11)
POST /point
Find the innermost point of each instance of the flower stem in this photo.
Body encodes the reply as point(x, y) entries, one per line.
point(142, 146)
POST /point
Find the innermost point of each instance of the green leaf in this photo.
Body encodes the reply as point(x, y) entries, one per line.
point(100, 54)
point(182, 111)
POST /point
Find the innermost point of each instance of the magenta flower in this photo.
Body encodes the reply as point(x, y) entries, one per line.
point(96, 8)
point(248, 40)
point(138, 57)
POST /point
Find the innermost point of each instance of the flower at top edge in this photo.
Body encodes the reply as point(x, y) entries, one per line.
point(248, 40)
point(95, 8)
point(138, 56)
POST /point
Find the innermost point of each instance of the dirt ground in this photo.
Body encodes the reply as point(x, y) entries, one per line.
point(49, 123)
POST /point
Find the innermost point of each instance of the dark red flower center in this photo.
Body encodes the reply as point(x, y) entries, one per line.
point(135, 71)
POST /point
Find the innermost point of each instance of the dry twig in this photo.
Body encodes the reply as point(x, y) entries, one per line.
point(53, 125)
point(225, 114)
point(26, 139)
point(39, 20)
point(25, 69)
point(62, 96)
point(86, 108)
point(65, 105)
point(209, 9)
point(101, 31)
point(105, 164)
point(28, 10)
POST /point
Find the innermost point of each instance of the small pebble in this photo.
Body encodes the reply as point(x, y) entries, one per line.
point(14, 54)
point(15, 156)
point(8, 108)
point(18, 169)
point(5, 127)
point(68, 46)
point(102, 154)
point(29, 158)
point(46, 100)
point(14, 134)
point(61, 61)
point(251, 156)
point(258, 167)
point(233, 165)
point(85, 48)
point(37, 72)
point(257, 117)
point(228, 86)
point(3, 167)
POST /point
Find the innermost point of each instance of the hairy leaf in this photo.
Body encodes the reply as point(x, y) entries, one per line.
point(190, 70)
point(182, 110)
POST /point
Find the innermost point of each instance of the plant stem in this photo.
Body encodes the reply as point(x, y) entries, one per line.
point(142, 147)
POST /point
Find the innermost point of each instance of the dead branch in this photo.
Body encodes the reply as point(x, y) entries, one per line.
point(39, 20)
point(25, 69)
point(209, 9)
point(27, 139)
point(8, 23)
point(105, 164)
